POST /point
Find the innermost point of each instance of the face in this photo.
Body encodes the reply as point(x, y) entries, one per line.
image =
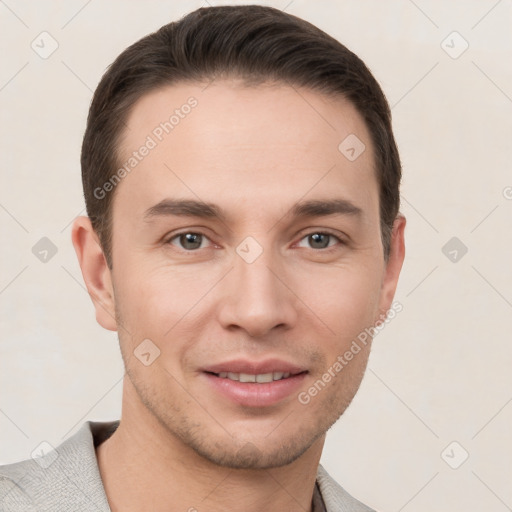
point(247, 249)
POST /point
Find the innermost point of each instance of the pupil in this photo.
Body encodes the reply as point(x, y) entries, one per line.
point(190, 240)
point(319, 240)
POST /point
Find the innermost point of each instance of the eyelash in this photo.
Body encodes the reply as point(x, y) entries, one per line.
point(324, 250)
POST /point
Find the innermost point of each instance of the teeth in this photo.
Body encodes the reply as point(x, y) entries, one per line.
point(259, 378)
point(246, 377)
point(264, 377)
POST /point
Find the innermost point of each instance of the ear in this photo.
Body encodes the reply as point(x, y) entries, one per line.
point(393, 265)
point(95, 271)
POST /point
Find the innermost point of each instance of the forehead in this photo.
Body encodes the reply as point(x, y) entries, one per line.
point(272, 143)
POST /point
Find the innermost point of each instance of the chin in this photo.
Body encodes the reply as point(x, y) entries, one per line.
point(251, 456)
point(245, 449)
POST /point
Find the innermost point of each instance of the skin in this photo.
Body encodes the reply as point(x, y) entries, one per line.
point(255, 152)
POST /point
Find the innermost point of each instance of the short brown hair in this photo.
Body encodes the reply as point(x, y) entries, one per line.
point(252, 42)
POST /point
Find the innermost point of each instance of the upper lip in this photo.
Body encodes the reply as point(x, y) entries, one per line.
point(255, 367)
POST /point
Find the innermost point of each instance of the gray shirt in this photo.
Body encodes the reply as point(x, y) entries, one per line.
point(68, 479)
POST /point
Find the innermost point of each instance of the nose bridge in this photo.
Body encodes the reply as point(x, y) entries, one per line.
point(258, 301)
point(257, 278)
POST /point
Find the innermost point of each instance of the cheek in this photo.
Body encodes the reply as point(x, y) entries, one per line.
point(149, 304)
point(345, 299)
point(347, 304)
point(162, 304)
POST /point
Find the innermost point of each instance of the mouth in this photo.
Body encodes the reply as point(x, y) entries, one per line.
point(258, 378)
point(255, 384)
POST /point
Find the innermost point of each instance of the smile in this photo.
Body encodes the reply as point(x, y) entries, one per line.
point(260, 378)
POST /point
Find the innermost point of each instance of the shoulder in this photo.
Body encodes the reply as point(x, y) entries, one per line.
point(15, 479)
point(336, 499)
point(65, 478)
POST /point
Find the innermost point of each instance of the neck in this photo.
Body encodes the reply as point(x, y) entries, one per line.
point(157, 472)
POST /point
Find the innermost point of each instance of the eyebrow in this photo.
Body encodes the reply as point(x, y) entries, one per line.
point(193, 208)
point(184, 208)
point(321, 208)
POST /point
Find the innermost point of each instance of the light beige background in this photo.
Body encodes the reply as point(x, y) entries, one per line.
point(440, 372)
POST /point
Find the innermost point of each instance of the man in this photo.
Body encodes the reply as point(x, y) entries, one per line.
point(242, 189)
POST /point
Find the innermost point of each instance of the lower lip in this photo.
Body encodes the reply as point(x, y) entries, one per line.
point(251, 394)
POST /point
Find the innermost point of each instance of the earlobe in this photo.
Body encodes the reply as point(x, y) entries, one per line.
point(95, 271)
point(394, 264)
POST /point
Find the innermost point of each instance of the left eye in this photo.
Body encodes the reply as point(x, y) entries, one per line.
point(320, 240)
point(189, 241)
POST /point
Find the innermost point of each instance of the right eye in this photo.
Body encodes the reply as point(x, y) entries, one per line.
point(188, 241)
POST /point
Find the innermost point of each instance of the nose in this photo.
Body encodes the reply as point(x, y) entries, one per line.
point(257, 297)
